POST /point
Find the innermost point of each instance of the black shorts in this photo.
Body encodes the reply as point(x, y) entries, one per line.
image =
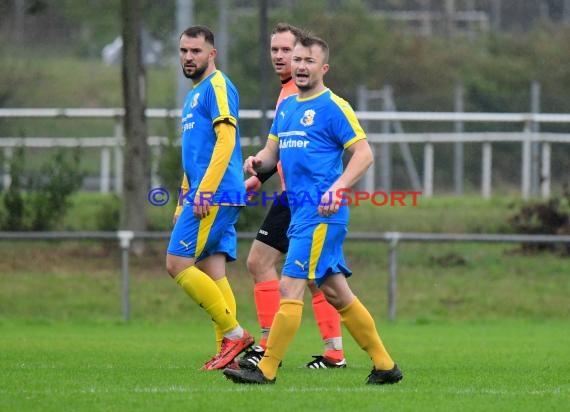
point(273, 230)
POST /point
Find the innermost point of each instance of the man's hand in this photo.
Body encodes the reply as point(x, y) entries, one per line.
point(201, 207)
point(252, 184)
point(251, 165)
point(330, 201)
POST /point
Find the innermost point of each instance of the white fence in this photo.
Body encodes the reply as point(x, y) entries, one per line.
point(111, 147)
point(125, 238)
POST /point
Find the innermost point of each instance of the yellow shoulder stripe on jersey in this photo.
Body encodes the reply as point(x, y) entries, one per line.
point(353, 140)
point(221, 93)
point(351, 117)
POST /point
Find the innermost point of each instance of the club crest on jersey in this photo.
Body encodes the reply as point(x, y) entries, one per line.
point(195, 100)
point(308, 117)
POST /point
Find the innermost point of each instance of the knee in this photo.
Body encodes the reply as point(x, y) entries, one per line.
point(172, 267)
point(333, 297)
point(252, 264)
point(260, 267)
point(291, 288)
point(335, 302)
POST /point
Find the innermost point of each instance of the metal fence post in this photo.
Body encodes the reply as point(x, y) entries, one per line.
point(125, 237)
point(458, 149)
point(386, 148)
point(392, 268)
point(7, 176)
point(428, 169)
point(119, 155)
point(486, 170)
point(535, 145)
point(155, 166)
point(105, 180)
point(545, 175)
point(368, 181)
point(526, 162)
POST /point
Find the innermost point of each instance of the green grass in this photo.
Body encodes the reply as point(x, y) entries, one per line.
point(503, 366)
point(465, 214)
point(478, 326)
point(70, 281)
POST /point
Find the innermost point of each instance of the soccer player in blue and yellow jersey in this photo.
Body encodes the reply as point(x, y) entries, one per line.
point(204, 236)
point(271, 242)
point(309, 135)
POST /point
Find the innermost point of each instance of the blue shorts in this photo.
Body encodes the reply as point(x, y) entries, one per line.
point(315, 251)
point(200, 238)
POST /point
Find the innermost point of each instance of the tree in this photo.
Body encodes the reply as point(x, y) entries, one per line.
point(136, 165)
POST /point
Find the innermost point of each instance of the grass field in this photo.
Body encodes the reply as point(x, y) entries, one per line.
point(479, 326)
point(502, 366)
point(487, 334)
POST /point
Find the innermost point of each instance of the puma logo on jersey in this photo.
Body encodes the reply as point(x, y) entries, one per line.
point(301, 265)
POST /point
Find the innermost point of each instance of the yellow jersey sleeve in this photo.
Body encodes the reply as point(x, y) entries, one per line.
point(221, 156)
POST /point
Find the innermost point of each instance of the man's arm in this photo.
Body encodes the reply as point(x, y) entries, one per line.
point(221, 155)
point(253, 183)
point(265, 176)
point(360, 161)
point(265, 160)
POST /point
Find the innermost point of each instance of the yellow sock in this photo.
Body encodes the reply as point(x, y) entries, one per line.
point(361, 326)
point(226, 290)
point(285, 325)
point(204, 291)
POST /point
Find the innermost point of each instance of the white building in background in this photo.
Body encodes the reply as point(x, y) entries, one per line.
point(151, 53)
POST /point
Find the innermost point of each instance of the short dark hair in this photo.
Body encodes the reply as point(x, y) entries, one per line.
point(197, 31)
point(307, 39)
point(286, 27)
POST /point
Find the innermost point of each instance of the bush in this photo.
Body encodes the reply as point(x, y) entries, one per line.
point(46, 202)
point(551, 217)
point(50, 193)
point(170, 166)
point(12, 216)
point(108, 215)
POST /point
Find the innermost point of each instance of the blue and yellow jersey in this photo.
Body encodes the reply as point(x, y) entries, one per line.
point(213, 162)
point(312, 134)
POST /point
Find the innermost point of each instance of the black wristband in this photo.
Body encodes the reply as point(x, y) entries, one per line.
point(263, 177)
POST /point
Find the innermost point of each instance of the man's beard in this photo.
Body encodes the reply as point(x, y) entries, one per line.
point(305, 87)
point(197, 73)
